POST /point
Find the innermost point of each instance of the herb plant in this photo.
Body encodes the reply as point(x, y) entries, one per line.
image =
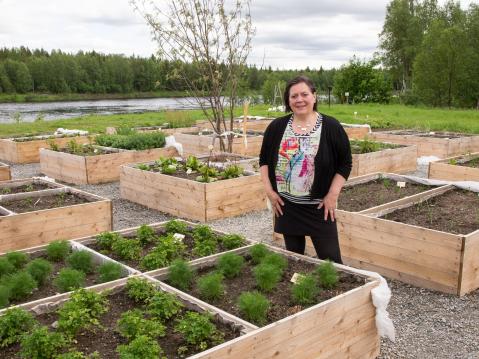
point(232, 241)
point(132, 324)
point(145, 234)
point(180, 274)
point(5, 267)
point(211, 286)
point(69, 279)
point(276, 260)
point(105, 240)
point(267, 276)
point(39, 269)
point(13, 323)
point(230, 264)
point(231, 171)
point(163, 305)
point(176, 226)
point(4, 295)
point(58, 250)
point(18, 259)
point(42, 344)
point(198, 330)
point(81, 260)
point(142, 347)
point(305, 290)
point(155, 259)
point(109, 271)
point(327, 274)
point(21, 284)
point(140, 290)
point(126, 248)
point(254, 307)
point(258, 252)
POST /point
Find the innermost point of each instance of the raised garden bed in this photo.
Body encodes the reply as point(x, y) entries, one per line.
point(5, 174)
point(458, 168)
point(95, 167)
point(440, 144)
point(356, 132)
point(338, 323)
point(370, 157)
point(32, 218)
point(145, 325)
point(444, 257)
point(198, 142)
point(150, 247)
point(26, 149)
point(221, 159)
point(55, 268)
point(183, 196)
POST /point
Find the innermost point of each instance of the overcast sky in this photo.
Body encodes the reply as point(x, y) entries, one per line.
point(289, 34)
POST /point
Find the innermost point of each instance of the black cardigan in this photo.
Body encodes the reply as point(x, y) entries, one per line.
point(334, 154)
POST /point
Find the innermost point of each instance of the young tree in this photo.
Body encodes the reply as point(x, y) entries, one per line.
point(215, 37)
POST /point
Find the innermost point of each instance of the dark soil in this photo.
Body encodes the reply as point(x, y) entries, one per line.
point(374, 193)
point(35, 203)
point(473, 162)
point(456, 212)
point(432, 134)
point(105, 340)
point(24, 188)
point(249, 133)
point(188, 241)
point(280, 297)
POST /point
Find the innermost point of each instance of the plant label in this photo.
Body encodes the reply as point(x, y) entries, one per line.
point(401, 184)
point(296, 277)
point(179, 237)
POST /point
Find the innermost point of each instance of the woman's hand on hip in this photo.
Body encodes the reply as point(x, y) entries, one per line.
point(276, 203)
point(329, 203)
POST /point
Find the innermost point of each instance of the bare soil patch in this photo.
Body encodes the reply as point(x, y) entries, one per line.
point(24, 188)
point(36, 203)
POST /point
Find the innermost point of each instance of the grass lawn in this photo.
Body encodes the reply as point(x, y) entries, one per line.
point(378, 116)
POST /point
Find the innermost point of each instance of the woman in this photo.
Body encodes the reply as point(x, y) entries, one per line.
point(305, 160)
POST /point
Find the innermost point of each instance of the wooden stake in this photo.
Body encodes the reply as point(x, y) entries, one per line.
point(245, 122)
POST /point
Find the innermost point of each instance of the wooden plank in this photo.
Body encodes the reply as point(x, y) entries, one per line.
point(63, 166)
point(5, 174)
point(394, 160)
point(470, 269)
point(446, 171)
point(356, 133)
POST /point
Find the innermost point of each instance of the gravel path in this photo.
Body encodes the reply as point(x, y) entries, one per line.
point(428, 324)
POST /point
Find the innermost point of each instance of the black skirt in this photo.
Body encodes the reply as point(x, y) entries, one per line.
point(303, 220)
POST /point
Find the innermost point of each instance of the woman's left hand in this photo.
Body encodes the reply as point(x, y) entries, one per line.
point(329, 203)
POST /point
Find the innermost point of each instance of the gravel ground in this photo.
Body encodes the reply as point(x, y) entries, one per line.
point(428, 324)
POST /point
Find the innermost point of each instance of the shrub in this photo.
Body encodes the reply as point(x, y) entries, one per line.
point(327, 274)
point(180, 274)
point(105, 240)
point(57, 251)
point(232, 241)
point(230, 264)
point(163, 305)
point(6, 267)
point(18, 259)
point(126, 248)
point(39, 269)
point(109, 271)
point(42, 344)
point(305, 290)
point(21, 284)
point(267, 276)
point(176, 226)
point(141, 347)
point(81, 311)
point(211, 286)
point(258, 252)
point(4, 295)
point(69, 279)
point(140, 290)
point(132, 324)
point(13, 324)
point(198, 330)
point(276, 260)
point(254, 307)
point(81, 260)
point(145, 234)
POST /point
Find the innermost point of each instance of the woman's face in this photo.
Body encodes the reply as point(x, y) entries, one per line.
point(301, 99)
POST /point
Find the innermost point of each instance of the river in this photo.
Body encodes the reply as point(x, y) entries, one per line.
point(29, 112)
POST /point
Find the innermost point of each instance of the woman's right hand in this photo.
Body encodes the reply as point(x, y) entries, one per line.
point(276, 203)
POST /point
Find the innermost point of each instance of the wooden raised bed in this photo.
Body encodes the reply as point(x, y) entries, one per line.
point(356, 132)
point(29, 229)
point(453, 168)
point(5, 174)
point(249, 163)
point(440, 144)
point(26, 149)
point(77, 169)
point(190, 199)
point(194, 144)
point(341, 327)
point(394, 160)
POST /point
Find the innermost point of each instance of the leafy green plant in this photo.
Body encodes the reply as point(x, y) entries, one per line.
point(18, 259)
point(258, 252)
point(207, 173)
point(109, 271)
point(29, 188)
point(82, 311)
point(142, 347)
point(133, 141)
point(155, 259)
point(267, 276)
point(39, 269)
point(203, 232)
point(6, 190)
point(52, 144)
point(276, 260)
point(4, 295)
point(69, 279)
point(180, 274)
point(452, 161)
point(42, 344)
point(57, 251)
point(305, 290)
point(168, 248)
point(230, 264)
point(21, 284)
point(167, 166)
point(211, 286)
point(13, 323)
point(126, 248)
point(327, 274)
point(232, 171)
point(5, 267)
point(163, 305)
point(145, 234)
point(78, 355)
point(176, 226)
point(132, 324)
point(140, 290)
point(192, 163)
point(143, 167)
point(105, 240)
point(205, 248)
point(254, 307)
point(198, 330)
point(81, 260)
point(232, 241)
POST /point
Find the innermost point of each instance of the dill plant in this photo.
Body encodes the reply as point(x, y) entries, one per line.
point(21, 284)
point(6, 267)
point(109, 271)
point(211, 286)
point(69, 279)
point(327, 274)
point(230, 264)
point(258, 252)
point(267, 276)
point(81, 260)
point(180, 274)
point(39, 269)
point(305, 290)
point(17, 259)
point(57, 251)
point(275, 259)
point(254, 307)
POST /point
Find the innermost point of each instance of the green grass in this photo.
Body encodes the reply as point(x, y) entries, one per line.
point(378, 116)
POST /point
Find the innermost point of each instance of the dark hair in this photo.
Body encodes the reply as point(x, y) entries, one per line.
point(295, 81)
